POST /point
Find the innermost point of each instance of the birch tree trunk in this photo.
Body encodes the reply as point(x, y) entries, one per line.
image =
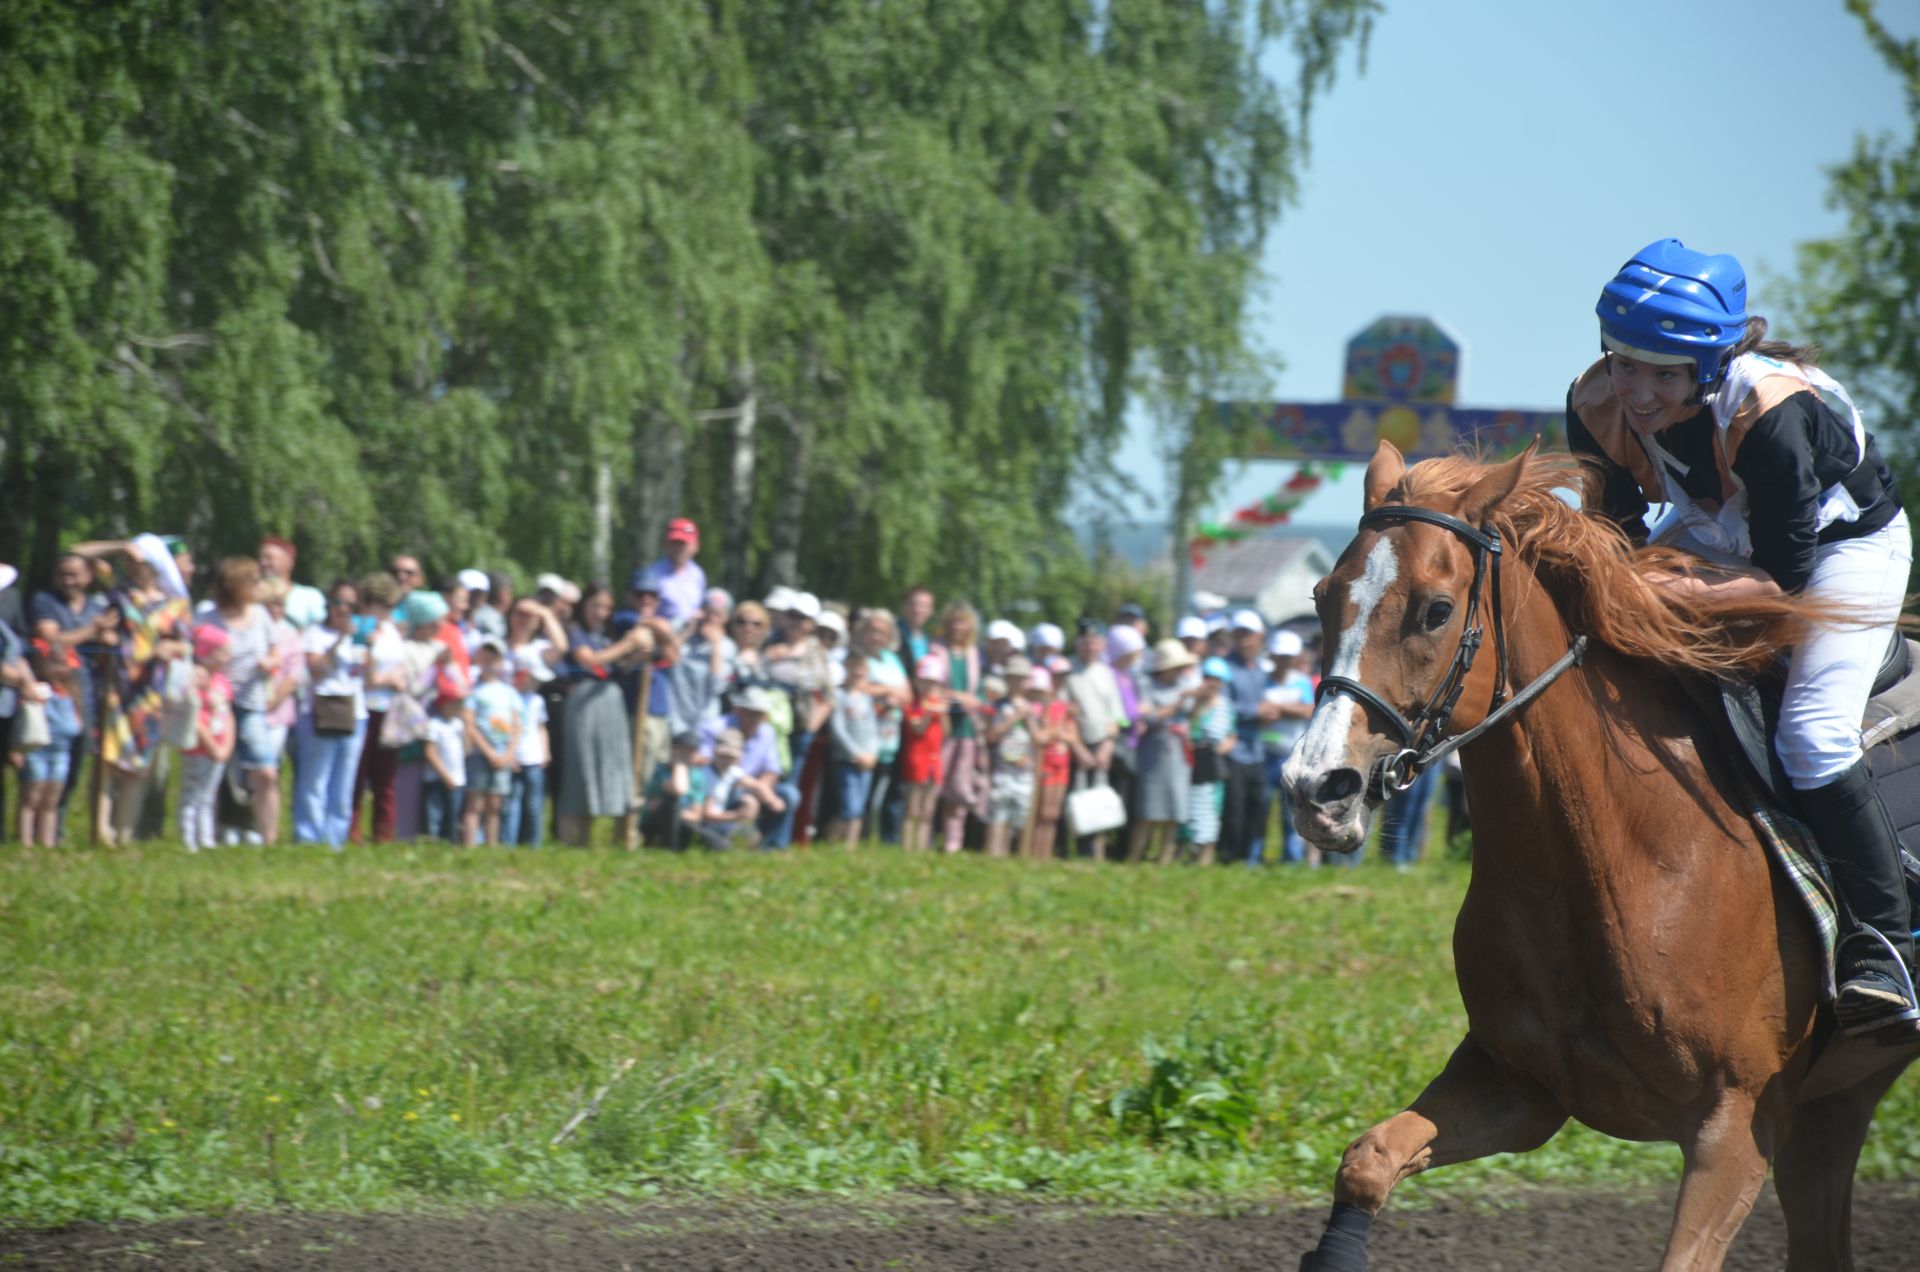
point(790, 505)
point(737, 532)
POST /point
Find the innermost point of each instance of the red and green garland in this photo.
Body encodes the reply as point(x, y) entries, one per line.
point(1274, 510)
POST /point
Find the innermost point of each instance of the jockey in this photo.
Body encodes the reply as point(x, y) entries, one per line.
point(1764, 463)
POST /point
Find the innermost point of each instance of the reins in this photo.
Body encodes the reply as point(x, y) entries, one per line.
point(1422, 740)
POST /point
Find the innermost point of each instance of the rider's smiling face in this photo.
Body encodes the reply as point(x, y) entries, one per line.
point(1654, 394)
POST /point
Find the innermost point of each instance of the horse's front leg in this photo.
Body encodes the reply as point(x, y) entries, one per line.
point(1475, 1107)
point(1726, 1164)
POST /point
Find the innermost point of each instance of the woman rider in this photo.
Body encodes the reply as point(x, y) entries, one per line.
point(1765, 463)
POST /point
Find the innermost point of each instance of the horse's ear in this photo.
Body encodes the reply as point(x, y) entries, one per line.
point(1496, 484)
point(1384, 472)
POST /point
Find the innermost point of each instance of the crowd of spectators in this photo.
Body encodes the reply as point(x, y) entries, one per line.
point(465, 711)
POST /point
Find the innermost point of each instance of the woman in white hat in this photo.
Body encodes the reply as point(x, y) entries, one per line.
point(1160, 796)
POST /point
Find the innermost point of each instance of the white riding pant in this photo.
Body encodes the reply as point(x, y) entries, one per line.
point(1831, 674)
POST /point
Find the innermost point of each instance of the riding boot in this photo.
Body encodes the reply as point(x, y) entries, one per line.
point(1862, 850)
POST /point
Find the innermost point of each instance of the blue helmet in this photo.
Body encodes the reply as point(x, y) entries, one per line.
point(1676, 304)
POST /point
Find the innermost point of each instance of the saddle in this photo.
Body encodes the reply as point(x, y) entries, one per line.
point(1748, 709)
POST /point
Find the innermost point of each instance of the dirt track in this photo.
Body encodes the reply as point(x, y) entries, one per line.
point(1563, 1231)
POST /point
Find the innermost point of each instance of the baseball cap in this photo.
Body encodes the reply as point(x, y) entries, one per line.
point(1016, 665)
point(475, 580)
point(683, 529)
point(1040, 681)
point(1087, 625)
point(834, 622)
point(1046, 636)
point(1124, 639)
point(1285, 644)
point(1001, 629)
point(932, 667)
point(1192, 627)
point(780, 600)
point(1215, 668)
point(7, 575)
point(753, 698)
point(730, 742)
point(805, 604)
point(644, 580)
point(1248, 621)
point(1131, 612)
point(550, 582)
point(494, 643)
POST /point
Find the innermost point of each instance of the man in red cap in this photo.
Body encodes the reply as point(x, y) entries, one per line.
point(681, 582)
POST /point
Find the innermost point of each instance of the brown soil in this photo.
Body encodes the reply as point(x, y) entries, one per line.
point(1564, 1231)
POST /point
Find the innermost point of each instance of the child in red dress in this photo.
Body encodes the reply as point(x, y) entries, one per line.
point(922, 734)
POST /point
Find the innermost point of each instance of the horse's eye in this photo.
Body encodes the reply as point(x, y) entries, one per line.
point(1437, 615)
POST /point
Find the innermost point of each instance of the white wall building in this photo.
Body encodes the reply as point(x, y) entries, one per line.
point(1271, 574)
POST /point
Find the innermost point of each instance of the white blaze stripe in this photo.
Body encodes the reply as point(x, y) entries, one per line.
point(1324, 745)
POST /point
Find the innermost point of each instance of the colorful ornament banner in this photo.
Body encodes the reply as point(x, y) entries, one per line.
point(1276, 509)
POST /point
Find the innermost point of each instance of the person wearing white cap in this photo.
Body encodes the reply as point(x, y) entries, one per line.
point(796, 661)
point(1290, 692)
point(1161, 798)
point(1095, 694)
point(1044, 641)
point(491, 596)
point(1004, 640)
point(1243, 814)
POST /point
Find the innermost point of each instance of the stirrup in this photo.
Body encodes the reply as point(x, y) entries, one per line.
point(1902, 978)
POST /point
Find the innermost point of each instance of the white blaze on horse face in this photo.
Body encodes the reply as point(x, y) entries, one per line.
point(1324, 745)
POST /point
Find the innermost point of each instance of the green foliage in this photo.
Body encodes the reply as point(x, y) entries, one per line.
point(250, 1028)
point(1858, 293)
point(474, 278)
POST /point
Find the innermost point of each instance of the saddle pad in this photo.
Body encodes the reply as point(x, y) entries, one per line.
point(1791, 845)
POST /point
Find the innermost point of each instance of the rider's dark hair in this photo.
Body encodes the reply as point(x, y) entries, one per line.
point(1755, 341)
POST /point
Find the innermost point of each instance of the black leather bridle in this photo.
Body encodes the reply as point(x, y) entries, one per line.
point(1422, 739)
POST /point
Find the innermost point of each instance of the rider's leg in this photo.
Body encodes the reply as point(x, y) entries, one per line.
point(1818, 740)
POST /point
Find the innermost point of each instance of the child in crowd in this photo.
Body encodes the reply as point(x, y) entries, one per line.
point(856, 749)
point(493, 733)
point(921, 739)
point(676, 793)
point(1211, 729)
point(522, 814)
point(731, 808)
point(1011, 741)
point(44, 769)
point(203, 763)
point(1056, 733)
point(444, 784)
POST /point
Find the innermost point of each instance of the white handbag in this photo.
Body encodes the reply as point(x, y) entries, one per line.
point(30, 727)
point(1096, 810)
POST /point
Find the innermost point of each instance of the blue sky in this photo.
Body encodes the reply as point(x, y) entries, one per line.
point(1498, 160)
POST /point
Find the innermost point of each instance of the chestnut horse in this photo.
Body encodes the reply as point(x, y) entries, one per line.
point(1626, 955)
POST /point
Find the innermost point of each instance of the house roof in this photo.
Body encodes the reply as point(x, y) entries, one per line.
point(1246, 568)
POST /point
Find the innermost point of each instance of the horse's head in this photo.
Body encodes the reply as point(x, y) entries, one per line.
point(1392, 612)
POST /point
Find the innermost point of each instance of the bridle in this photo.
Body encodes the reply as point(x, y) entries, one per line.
point(1422, 739)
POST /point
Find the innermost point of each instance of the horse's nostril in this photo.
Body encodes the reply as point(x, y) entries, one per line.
point(1338, 786)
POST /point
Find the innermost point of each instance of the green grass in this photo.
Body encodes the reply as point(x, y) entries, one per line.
point(403, 1026)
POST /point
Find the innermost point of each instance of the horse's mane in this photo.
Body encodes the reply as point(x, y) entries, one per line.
point(1600, 580)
